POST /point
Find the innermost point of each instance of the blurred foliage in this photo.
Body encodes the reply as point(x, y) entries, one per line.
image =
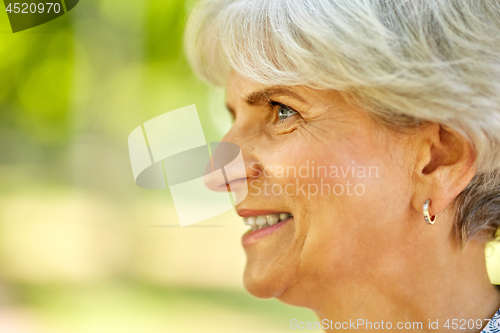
point(102, 69)
point(36, 69)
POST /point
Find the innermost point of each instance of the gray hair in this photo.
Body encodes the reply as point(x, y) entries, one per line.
point(404, 61)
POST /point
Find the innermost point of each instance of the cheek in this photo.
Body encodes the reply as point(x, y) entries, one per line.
point(346, 168)
point(350, 197)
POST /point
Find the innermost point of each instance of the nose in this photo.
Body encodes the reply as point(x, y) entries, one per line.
point(229, 170)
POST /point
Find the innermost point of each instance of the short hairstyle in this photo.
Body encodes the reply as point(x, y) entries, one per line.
point(403, 61)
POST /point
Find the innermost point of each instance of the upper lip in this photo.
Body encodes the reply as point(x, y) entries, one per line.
point(255, 212)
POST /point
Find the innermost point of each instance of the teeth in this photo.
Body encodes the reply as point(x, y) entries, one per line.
point(249, 221)
point(284, 216)
point(262, 221)
point(273, 219)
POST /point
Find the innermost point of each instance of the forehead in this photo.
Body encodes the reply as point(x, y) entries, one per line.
point(238, 88)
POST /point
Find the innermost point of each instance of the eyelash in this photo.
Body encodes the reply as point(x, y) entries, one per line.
point(273, 104)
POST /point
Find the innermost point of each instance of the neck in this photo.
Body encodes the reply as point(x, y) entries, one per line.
point(422, 286)
point(425, 292)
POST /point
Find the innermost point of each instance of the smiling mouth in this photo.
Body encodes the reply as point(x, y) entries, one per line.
point(262, 221)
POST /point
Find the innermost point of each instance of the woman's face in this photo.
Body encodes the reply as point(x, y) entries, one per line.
point(343, 177)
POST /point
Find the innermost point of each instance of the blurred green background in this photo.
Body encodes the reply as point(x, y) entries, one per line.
point(82, 248)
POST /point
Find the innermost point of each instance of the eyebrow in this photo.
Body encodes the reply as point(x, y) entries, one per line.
point(263, 96)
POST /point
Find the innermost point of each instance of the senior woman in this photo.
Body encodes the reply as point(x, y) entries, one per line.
point(399, 99)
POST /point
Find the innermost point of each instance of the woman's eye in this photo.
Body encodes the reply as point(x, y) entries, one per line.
point(285, 111)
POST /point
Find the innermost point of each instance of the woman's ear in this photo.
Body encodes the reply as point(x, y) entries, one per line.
point(444, 165)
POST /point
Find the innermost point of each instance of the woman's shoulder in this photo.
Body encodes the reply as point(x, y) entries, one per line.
point(493, 325)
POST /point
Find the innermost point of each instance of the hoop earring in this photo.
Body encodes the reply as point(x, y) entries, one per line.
point(427, 217)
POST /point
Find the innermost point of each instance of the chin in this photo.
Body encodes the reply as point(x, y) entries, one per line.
point(266, 280)
point(286, 290)
point(260, 284)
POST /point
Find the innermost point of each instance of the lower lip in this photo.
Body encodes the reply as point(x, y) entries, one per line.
point(252, 236)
